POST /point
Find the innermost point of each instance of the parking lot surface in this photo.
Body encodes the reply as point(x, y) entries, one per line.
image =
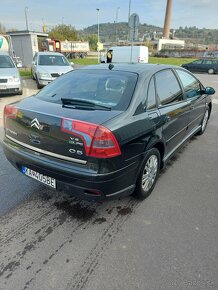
point(52, 240)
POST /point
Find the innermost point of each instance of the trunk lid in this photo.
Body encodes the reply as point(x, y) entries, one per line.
point(38, 126)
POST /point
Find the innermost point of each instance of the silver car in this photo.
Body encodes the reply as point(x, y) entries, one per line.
point(47, 66)
point(10, 80)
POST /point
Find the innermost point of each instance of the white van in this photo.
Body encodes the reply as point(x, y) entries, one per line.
point(123, 54)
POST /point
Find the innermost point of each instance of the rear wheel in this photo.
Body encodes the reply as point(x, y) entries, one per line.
point(204, 122)
point(148, 174)
point(211, 71)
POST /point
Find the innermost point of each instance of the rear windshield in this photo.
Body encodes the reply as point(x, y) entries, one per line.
point(103, 87)
point(6, 62)
point(53, 60)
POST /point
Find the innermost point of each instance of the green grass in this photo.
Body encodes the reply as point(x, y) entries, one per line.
point(161, 60)
point(170, 60)
point(84, 61)
point(24, 72)
point(89, 61)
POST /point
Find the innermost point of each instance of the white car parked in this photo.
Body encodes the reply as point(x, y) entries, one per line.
point(10, 80)
point(47, 66)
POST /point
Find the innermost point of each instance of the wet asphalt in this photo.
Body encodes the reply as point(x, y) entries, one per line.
point(53, 240)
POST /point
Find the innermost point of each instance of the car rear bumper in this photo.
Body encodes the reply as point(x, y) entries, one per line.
point(75, 178)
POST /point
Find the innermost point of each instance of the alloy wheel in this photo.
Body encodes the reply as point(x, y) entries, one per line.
point(149, 173)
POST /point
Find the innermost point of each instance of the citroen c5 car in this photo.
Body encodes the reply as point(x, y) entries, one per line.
point(106, 131)
point(47, 66)
point(10, 80)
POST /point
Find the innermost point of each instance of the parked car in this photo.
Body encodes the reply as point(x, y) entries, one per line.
point(47, 66)
point(105, 131)
point(10, 80)
point(202, 65)
point(122, 54)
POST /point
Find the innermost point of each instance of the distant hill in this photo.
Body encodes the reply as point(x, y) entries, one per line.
point(113, 31)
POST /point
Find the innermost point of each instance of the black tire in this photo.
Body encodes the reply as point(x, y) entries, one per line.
point(204, 122)
point(33, 77)
point(211, 71)
point(140, 191)
point(20, 92)
point(37, 84)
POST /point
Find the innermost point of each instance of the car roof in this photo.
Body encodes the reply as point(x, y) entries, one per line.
point(49, 53)
point(139, 68)
point(4, 53)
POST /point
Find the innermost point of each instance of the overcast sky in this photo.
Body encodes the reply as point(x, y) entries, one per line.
point(82, 13)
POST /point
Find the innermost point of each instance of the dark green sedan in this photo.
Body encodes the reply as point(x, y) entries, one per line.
point(202, 65)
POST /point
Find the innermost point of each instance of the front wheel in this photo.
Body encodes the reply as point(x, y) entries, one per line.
point(38, 84)
point(148, 174)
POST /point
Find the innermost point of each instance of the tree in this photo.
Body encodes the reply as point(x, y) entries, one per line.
point(93, 39)
point(63, 32)
point(2, 29)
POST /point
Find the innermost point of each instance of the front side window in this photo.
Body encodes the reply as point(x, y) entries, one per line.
point(106, 88)
point(6, 62)
point(191, 85)
point(208, 62)
point(53, 60)
point(168, 89)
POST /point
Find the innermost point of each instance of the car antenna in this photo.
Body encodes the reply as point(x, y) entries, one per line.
point(111, 66)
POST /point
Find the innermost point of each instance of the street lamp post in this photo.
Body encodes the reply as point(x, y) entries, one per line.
point(117, 11)
point(27, 28)
point(97, 9)
point(129, 33)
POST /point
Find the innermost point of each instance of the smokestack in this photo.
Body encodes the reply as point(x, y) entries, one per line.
point(166, 32)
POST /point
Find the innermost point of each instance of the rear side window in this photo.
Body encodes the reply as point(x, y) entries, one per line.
point(191, 86)
point(168, 88)
point(197, 61)
point(113, 89)
point(151, 99)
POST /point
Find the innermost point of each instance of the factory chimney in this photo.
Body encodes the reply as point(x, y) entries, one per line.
point(166, 32)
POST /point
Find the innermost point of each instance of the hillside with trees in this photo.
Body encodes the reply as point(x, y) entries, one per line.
point(113, 31)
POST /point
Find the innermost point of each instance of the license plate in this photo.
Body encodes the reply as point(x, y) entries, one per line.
point(2, 87)
point(40, 177)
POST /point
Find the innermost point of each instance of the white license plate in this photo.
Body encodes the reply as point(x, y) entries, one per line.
point(2, 87)
point(40, 177)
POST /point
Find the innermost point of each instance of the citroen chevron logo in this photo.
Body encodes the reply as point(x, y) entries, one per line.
point(35, 123)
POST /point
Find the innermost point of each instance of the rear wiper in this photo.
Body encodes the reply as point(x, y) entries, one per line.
point(83, 103)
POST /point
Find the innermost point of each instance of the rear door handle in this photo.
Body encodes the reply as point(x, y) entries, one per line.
point(153, 115)
point(168, 118)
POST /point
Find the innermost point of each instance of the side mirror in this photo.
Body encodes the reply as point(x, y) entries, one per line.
point(33, 63)
point(209, 91)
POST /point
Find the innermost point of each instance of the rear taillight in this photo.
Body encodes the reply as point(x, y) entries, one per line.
point(10, 112)
point(98, 141)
